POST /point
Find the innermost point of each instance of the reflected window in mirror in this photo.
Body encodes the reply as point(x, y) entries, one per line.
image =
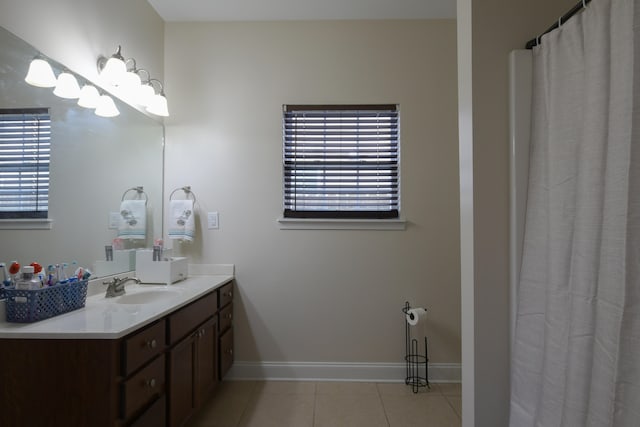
point(25, 148)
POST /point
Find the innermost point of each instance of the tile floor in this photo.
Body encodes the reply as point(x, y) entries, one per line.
point(329, 404)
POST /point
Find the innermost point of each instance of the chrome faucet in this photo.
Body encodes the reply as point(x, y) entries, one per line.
point(116, 286)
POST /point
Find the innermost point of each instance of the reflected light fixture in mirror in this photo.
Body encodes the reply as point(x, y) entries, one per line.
point(40, 73)
point(67, 86)
point(106, 107)
point(89, 96)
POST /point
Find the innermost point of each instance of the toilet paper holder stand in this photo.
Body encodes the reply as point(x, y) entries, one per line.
point(417, 368)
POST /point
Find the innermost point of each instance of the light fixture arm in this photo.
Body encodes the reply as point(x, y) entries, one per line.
point(159, 84)
point(134, 69)
point(102, 61)
point(142, 70)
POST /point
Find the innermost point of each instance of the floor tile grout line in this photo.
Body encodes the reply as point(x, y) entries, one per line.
point(384, 409)
point(315, 402)
point(247, 402)
point(452, 408)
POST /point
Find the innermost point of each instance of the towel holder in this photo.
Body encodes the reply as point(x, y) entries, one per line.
point(140, 192)
point(187, 191)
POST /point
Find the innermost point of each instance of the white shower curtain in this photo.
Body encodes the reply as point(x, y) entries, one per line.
point(576, 353)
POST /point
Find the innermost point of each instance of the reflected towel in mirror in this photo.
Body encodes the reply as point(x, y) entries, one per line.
point(133, 219)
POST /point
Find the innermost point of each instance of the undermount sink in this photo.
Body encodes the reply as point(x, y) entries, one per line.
point(147, 296)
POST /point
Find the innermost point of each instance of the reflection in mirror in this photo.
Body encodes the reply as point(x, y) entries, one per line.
point(94, 161)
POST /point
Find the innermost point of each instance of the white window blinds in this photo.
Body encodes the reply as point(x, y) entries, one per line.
point(341, 161)
point(25, 147)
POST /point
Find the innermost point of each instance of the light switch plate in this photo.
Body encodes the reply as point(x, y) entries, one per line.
point(212, 220)
point(114, 220)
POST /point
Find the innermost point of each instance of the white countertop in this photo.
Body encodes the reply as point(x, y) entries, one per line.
point(107, 318)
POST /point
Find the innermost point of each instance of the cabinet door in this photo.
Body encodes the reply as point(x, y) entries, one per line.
point(182, 359)
point(207, 360)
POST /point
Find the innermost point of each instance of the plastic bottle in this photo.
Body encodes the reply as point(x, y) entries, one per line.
point(28, 281)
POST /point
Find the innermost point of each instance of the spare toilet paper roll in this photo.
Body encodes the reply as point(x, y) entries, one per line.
point(416, 315)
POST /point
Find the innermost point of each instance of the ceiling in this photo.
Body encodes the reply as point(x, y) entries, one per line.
point(277, 10)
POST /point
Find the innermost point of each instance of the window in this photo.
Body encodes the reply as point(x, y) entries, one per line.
point(25, 145)
point(341, 161)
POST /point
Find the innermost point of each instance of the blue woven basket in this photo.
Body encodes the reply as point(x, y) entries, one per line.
point(26, 306)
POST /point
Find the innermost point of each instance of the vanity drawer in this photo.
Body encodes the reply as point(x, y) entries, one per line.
point(226, 317)
point(154, 416)
point(226, 294)
point(143, 387)
point(188, 318)
point(143, 346)
point(226, 352)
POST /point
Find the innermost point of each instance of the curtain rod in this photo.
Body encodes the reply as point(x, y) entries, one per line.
point(564, 18)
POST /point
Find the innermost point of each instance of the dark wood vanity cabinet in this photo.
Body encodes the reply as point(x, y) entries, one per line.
point(193, 357)
point(225, 314)
point(143, 372)
point(157, 376)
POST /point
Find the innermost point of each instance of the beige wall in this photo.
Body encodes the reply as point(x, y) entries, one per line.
point(497, 27)
point(322, 296)
point(76, 32)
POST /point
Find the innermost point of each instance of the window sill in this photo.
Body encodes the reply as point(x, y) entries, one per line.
point(341, 224)
point(26, 224)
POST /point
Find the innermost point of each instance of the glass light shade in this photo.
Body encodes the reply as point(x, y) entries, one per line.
point(40, 74)
point(106, 107)
point(89, 97)
point(144, 93)
point(158, 105)
point(67, 86)
point(130, 81)
point(113, 71)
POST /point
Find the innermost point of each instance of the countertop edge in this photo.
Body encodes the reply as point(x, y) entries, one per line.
point(46, 329)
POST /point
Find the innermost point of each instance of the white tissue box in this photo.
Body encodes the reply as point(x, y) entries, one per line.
point(123, 260)
point(167, 271)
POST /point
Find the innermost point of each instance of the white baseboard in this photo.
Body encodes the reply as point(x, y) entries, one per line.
point(312, 371)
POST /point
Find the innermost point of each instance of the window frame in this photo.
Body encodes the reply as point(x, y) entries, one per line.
point(389, 146)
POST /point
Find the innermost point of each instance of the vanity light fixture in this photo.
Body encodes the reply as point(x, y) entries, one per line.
point(67, 86)
point(40, 73)
point(89, 96)
point(112, 69)
point(145, 91)
point(106, 107)
point(157, 104)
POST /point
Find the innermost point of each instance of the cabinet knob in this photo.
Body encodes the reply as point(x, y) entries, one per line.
point(202, 332)
point(152, 343)
point(230, 294)
point(230, 351)
point(151, 383)
point(229, 316)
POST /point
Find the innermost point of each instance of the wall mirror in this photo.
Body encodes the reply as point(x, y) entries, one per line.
point(94, 161)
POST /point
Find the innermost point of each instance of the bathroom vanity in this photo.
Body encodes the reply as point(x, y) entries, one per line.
point(148, 358)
